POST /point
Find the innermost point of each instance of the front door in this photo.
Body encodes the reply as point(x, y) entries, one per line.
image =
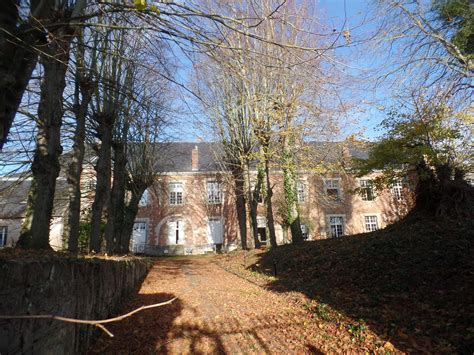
point(215, 231)
point(262, 229)
point(175, 232)
point(139, 237)
point(262, 235)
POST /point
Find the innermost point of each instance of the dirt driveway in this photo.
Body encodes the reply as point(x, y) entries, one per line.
point(215, 312)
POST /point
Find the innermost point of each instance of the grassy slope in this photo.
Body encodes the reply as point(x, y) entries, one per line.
point(411, 284)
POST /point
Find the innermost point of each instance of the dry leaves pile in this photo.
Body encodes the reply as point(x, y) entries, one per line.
point(410, 285)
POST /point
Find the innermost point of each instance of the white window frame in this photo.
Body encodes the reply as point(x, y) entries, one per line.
point(301, 191)
point(343, 225)
point(369, 225)
point(330, 181)
point(142, 222)
point(397, 190)
point(176, 193)
point(366, 185)
point(214, 195)
point(3, 236)
point(145, 199)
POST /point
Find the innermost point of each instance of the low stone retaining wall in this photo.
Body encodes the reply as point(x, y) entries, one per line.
point(75, 288)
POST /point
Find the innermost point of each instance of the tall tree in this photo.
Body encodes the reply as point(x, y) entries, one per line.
point(427, 141)
point(54, 58)
point(18, 55)
point(273, 87)
point(117, 76)
point(85, 82)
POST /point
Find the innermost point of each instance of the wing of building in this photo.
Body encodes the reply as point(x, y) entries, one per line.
point(191, 207)
point(13, 197)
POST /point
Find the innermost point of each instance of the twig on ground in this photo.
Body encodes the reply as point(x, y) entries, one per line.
point(97, 323)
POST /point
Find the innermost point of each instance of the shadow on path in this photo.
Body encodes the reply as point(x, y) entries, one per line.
point(140, 333)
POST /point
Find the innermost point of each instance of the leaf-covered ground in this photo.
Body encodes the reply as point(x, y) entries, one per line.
point(405, 289)
point(219, 312)
point(411, 285)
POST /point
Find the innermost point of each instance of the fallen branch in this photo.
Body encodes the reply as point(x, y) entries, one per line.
point(97, 323)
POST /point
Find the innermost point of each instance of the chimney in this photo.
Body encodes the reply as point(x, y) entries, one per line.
point(195, 159)
point(346, 156)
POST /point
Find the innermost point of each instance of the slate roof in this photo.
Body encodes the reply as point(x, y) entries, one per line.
point(13, 195)
point(176, 156)
point(172, 157)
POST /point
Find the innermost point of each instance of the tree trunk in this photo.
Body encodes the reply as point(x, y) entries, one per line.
point(285, 233)
point(17, 59)
point(131, 210)
point(71, 228)
point(116, 206)
point(296, 234)
point(268, 200)
point(291, 201)
point(46, 167)
point(240, 205)
point(253, 202)
point(102, 169)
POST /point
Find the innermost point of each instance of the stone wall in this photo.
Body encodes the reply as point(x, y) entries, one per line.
point(76, 288)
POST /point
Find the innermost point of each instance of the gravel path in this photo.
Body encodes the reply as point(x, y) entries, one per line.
point(216, 312)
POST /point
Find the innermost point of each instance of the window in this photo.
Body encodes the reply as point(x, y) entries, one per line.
point(367, 190)
point(176, 193)
point(371, 223)
point(397, 190)
point(138, 240)
point(145, 199)
point(301, 191)
point(214, 192)
point(336, 226)
point(3, 235)
point(333, 189)
point(304, 231)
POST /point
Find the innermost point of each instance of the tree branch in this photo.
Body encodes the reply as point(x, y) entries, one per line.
point(97, 323)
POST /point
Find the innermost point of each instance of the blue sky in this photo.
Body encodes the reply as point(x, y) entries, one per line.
point(187, 125)
point(365, 116)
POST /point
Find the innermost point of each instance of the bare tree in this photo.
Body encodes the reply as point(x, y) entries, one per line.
point(231, 119)
point(115, 88)
point(145, 144)
point(188, 26)
point(85, 82)
point(418, 45)
point(54, 58)
point(18, 57)
point(270, 90)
